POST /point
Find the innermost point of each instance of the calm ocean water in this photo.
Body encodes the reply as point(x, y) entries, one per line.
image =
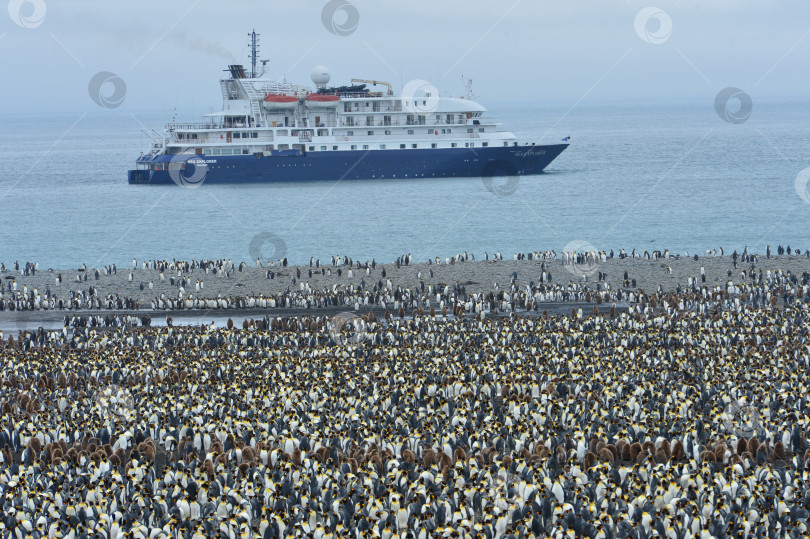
point(647, 176)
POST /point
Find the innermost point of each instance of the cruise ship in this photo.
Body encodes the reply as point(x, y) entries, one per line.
point(275, 131)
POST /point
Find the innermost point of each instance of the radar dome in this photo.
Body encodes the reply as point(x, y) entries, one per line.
point(321, 75)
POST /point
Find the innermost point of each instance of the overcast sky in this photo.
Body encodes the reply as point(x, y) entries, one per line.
point(172, 52)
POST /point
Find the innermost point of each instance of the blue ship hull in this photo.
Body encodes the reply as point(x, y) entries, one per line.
point(296, 166)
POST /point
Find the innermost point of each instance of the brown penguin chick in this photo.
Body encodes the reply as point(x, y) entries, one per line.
point(635, 449)
point(606, 455)
point(678, 453)
point(736, 459)
point(589, 459)
point(538, 447)
point(114, 460)
point(243, 468)
point(560, 455)
point(208, 467)
point(708, 456)
point(613, 449)
point(626, 453)
point(649, 447)
point(248, 455)
point(779, 451)
point(661, 456)
point(296, 457)
point(742, 446)
point(378, 463)
point(753, 446)
point(63, 446)
point(408, 456)
point(667, 449)
point(507, 461)
point(108, 449)
point(35, 445)
point(459, 455)
point(429, 457)
point(445, 461)
point(643, 454)
point(719, 452)
point(479, 458)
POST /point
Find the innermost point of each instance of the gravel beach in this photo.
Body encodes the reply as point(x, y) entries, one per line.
point(476, 276)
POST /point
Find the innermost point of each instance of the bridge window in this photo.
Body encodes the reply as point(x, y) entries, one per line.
point(349, 133)
point(365, 146)
point(236, 135)
point(410, 131)
point(433, 145)
point(354, 146)
point(382, 146)
point(334, 147)
point(323, 148)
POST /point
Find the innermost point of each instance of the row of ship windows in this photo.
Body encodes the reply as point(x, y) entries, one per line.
point(247, 151)
point(405, 146)
point(321, 132)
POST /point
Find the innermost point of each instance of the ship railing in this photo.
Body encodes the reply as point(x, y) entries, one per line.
point(202, 125)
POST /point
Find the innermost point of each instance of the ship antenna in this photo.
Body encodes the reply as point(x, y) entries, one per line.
point(254, 52)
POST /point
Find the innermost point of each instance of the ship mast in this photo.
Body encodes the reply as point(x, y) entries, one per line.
point(254, 52)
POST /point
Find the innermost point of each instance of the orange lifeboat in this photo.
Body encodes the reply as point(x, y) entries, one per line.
point(322, 100)
point(278, 101)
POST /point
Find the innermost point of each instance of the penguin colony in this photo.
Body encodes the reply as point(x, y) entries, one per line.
point(664, 421)
point(684, 416)
point(525, 283)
